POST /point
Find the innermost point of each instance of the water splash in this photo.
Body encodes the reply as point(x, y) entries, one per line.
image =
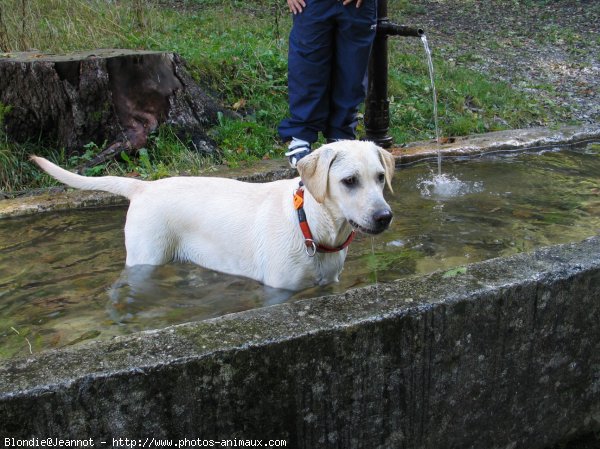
point(434, 93)
point(447, 186)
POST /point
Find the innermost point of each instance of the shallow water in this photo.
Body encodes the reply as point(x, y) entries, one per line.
point(62, 279)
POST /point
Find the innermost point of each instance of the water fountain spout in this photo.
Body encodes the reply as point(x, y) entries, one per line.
point(377, 105)
point(392, 29)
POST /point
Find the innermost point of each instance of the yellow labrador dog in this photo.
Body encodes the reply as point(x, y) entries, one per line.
point(277, 233)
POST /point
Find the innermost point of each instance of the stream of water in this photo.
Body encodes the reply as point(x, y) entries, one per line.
point(439, 183)
point(434, 98)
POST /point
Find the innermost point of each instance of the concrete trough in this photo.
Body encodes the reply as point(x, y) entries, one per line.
point(500, 354)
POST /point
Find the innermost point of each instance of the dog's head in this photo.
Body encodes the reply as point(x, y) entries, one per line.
point(348, 177)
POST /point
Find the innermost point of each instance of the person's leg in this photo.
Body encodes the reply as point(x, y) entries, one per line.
point(355, 32)
point(310, 58)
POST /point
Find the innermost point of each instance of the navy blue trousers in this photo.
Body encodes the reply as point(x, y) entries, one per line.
point(329, 49)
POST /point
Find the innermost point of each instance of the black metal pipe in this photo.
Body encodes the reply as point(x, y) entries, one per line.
point(377, 105)
point(392, 29)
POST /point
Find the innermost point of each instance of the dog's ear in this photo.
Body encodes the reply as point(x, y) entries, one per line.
point(389, 164)
point(314, 171)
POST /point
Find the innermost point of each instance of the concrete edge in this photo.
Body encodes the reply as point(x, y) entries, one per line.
point(498, 142)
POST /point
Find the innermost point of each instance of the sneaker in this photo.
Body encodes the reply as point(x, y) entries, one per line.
point(296, 153)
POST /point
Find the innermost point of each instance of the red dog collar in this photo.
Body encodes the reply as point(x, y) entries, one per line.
point(313, 247)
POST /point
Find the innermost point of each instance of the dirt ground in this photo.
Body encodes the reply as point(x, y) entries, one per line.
point(550, 48)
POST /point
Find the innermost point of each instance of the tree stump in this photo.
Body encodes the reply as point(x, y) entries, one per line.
point(110, 97)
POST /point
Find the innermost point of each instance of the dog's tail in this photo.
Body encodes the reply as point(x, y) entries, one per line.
point(114, 184)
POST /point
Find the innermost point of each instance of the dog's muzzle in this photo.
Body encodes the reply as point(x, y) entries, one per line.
point(382, 219)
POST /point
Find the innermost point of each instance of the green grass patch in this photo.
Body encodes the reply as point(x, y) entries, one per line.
point(468, 102)
point(239, 51)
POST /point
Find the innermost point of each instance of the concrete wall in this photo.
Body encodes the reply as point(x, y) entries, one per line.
point(506, 355)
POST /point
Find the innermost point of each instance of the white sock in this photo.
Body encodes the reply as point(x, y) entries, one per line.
point(298, 143)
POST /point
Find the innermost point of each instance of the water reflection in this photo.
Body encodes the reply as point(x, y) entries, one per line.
point(146, 295)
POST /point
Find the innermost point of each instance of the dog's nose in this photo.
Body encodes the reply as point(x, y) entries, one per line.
point(383, 218)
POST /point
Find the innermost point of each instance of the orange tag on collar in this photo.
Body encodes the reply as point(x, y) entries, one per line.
point(298, 199)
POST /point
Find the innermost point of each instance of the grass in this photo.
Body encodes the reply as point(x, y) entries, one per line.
point(239, 49)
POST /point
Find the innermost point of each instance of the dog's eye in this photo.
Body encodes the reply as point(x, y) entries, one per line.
point(350, 181)
point(381, 177)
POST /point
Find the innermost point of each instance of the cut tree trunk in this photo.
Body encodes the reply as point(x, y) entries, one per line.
point(113, 98)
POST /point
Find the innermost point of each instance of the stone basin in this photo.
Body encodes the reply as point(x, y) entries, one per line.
point(501, 354)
